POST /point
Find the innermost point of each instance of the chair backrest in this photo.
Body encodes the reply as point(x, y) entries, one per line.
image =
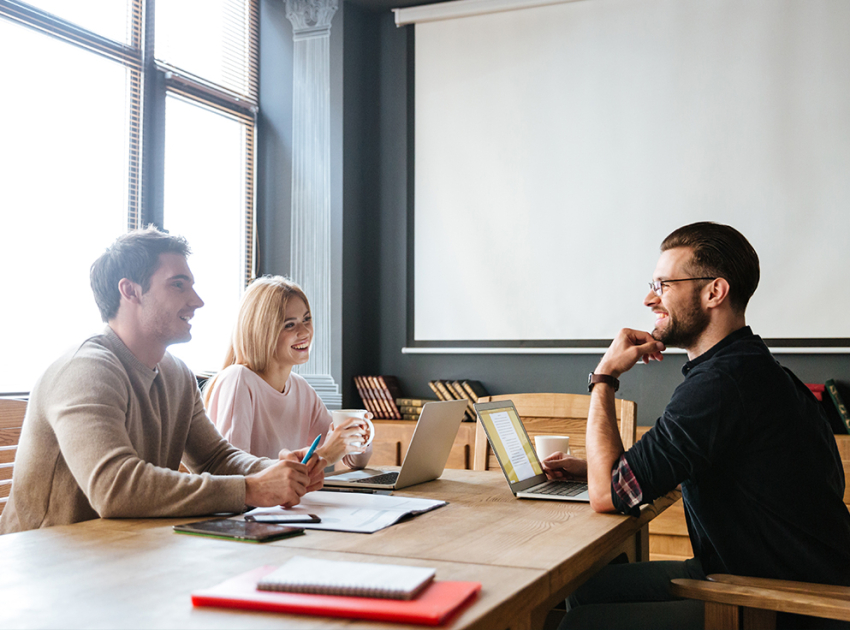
point(12, 413)
point(554, 414)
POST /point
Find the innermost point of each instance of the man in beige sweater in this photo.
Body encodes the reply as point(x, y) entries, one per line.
point(108, 424)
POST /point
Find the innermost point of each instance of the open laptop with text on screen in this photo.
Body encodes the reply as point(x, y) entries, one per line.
point(426, 456)
point(509, 441)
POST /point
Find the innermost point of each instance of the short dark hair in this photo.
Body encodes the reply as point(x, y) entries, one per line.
point(720, 251)
point(135, 256)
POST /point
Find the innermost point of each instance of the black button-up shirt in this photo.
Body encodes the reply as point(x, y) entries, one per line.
point(761, 477)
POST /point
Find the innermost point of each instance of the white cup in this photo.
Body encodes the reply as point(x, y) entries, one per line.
point(545, 445)
point(341, 415)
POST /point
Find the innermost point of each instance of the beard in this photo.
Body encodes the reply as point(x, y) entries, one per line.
point(683, 330)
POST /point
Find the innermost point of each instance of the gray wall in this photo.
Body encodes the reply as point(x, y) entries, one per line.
point(362, 287)
point(375, 120)
point(274, 139)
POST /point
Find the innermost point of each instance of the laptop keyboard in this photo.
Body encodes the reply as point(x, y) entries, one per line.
point(559, 488)
point(387, 478)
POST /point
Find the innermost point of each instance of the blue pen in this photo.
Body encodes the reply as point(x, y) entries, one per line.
point(312, 449)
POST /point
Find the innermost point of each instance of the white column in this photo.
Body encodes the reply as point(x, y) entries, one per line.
point(311, 181)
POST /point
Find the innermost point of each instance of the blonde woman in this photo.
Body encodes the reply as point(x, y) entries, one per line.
point(257, 403)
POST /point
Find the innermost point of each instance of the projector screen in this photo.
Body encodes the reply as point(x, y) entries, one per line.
point(556, 146)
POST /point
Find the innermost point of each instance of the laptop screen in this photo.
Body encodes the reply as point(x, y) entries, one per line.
point(510, 442)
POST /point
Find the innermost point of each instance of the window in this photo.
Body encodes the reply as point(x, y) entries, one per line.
point(124, 113)
point(203, 182)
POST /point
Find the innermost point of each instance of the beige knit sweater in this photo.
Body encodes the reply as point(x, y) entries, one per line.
point(104, 435)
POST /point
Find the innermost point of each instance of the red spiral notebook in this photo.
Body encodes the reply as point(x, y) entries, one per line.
point(434, 606)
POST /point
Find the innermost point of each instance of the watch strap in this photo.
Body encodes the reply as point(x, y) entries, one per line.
point(593, 379)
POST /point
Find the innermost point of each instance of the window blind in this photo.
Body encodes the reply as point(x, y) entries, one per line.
point(205, 53)
point(215, 41)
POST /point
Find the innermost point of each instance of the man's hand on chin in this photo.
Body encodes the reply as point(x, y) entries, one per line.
point(629, 347)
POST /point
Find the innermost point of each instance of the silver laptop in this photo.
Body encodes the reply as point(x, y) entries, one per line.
point(426, 456)
point(516, 455)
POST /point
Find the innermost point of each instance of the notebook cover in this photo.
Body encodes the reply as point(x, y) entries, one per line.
point(433, 607)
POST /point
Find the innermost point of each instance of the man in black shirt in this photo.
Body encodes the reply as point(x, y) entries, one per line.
point(761, 477)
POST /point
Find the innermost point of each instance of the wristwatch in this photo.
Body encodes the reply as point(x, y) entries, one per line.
point(593, 379)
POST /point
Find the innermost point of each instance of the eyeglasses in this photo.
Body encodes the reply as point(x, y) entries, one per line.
point(658, 285)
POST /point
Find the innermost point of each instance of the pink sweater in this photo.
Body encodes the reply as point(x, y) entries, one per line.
point(255, 417)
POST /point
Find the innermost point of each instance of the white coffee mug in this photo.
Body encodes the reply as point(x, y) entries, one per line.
point(341, 415)
point(545, 445)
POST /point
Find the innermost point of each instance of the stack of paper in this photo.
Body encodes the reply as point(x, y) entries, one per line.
point(360, 579)
point(354, 511)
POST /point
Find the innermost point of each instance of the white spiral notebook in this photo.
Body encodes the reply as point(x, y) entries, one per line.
point(360, 579)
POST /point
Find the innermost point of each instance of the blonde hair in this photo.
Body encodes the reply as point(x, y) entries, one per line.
point(262, 314)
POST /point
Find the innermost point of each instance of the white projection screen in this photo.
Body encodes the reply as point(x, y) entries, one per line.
point(556, 146)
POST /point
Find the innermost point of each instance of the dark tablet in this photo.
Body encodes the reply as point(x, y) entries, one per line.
point(244, 531)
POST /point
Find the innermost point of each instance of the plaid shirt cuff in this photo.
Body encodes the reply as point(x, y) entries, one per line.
point(624, 483)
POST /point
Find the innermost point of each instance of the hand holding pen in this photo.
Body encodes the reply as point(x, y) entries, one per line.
point(312, 449)
point(286, 480)
point(315, 465)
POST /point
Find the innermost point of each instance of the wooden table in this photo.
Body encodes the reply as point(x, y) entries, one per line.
point(528, 555)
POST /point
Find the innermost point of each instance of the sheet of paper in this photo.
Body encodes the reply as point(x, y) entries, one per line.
point(354, 512)
point(513, 445)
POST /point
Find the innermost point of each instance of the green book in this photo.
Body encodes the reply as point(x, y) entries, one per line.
point(833, 389)
point(414, 402)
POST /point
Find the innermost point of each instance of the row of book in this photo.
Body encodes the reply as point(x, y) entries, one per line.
point(833, 394)
point(466, 389)
point(379, 394)
point(382, 396)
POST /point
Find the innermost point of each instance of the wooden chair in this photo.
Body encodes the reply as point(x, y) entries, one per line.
point(11, 420)
point(740, 603)
point(554, 414)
